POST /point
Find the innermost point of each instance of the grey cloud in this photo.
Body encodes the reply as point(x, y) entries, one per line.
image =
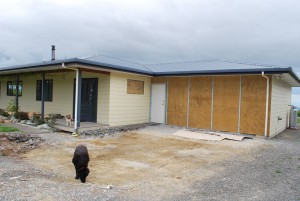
point(153, 31)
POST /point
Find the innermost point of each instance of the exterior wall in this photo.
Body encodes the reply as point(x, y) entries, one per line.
point(103, 99)
point(128, 108)
point(225, 103)
point(4, 99)
point(280, 99)
point(63, 89)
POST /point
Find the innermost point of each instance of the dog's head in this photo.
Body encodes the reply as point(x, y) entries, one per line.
point(68, 116)
point(83, 173)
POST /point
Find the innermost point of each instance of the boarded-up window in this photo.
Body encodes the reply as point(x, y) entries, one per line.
point(135, 87)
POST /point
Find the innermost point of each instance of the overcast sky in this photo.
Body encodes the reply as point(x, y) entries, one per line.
point(153, 31)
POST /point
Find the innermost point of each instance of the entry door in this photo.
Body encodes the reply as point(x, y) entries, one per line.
point(158, 103)
point(89, 94)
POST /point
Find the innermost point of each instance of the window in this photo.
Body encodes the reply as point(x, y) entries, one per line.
point(48, 90)
point(11, 88)
point(135, 87)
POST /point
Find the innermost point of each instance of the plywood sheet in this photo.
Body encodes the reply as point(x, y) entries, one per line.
point(159, 80)
point(199, 136)
point(226, 103)
point(200, 102)
point(135, 87)
point(232, 137)
point(177, 101)
point(253, 104)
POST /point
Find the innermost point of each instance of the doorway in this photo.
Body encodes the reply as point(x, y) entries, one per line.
point(158, 103)
point(89, 97)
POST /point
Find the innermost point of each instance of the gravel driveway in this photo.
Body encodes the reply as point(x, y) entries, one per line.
point(270, 174)
point(268, 171)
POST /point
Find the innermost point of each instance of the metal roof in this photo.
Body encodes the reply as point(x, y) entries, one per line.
point(204, 67)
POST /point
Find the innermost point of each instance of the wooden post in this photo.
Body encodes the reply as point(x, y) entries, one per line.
point(42, 96)
point(17, 92)
point(77, 101)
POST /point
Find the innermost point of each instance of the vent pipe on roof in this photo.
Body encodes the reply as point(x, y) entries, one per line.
point(53, 53)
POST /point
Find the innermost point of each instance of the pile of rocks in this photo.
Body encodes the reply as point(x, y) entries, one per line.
point(4, 119)
point(115, 129)
point(15, 142)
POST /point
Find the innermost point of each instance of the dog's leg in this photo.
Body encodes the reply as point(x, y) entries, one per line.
point(77, 175)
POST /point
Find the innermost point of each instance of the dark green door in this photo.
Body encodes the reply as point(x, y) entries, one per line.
point(89, 94)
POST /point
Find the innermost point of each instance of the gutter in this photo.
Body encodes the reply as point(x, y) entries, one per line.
point(267, 103)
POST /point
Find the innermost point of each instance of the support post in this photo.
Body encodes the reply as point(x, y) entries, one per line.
point(42, 97)
point(77, 101)
point(17, 92)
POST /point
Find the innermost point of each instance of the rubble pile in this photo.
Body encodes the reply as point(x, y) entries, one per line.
point(14, 143)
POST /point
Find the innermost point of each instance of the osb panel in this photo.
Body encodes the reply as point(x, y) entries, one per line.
point(135, 87)
point(200, 102)
point(177, 101)
point(158, 80)
point(253, 105)
point(226, 103)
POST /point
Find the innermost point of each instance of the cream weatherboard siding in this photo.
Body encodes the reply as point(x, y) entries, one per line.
point(4, 99)
point(114, 106)
point(103, 99)
point(63, 89)
point(128, 108)
point(280, 99)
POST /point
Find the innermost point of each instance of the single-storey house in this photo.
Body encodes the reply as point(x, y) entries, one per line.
point(211, 94)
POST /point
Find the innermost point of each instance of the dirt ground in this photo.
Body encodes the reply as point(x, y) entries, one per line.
point(137, 162)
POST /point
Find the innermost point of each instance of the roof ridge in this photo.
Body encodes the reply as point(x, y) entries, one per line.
point(183, 62)
point(117, 59)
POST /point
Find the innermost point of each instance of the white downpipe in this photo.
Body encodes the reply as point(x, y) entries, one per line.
point(76, 99)
point(76, 92)
point(267, 103)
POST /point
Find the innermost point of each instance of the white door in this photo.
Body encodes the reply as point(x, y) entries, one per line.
point(158, 103)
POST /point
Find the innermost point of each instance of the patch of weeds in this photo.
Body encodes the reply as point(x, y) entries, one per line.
point(278, 171)
point(7, 129)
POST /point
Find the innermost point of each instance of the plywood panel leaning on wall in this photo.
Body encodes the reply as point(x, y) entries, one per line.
point(226, 103)
point(253, 104)
point(177, 101)
point(200, 102)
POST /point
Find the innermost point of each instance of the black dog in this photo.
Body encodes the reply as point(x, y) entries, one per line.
point(81, 160)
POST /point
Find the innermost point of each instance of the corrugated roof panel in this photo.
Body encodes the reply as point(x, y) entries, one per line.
point(207, 65)
point(117, 62)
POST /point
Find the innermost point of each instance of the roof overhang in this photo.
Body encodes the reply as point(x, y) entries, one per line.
point(289, 75)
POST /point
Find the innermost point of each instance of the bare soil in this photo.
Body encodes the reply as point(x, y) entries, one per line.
point(138, 163)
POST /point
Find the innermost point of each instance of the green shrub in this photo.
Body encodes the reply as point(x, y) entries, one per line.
point(3, 113)
point(21, 115)
point(51, 119)
point(298, 113)
point(12, 107)
point(37, 119)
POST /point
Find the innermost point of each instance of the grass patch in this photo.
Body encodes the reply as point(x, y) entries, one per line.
point(278, 171)
point(7, 129)
point(298, 120)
